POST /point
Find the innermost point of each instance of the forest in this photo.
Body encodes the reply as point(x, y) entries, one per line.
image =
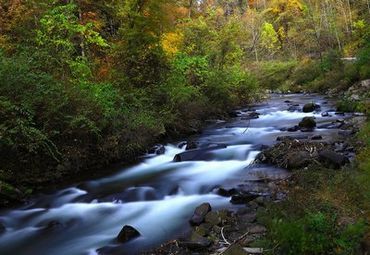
point(85, 84)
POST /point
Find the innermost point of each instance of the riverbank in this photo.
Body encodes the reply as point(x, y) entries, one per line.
point(158, 196)
point(81, 162)
point(321, 208)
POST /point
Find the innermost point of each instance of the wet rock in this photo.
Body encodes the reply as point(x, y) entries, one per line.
point(325, 114)
point(234, 114)
point(251, 115)
point(307, 123)
point(316, 137)
point(182, 144)
point(200, 214)
point(196, 242)
point(340, 113)
point(198, 154)
point(127, 234)
point(310, 107)
point(226, 192)
point(332, 159)
point(243, 198)
point(333, 125)
point(297, 160)
point(158, 149)
point(191, 145)
point(293, 129)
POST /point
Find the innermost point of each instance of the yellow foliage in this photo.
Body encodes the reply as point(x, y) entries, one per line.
point(171, 42)
point(281, 33)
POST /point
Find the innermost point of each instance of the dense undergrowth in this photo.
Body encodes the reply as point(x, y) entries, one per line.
point(327, 211)
point(329, 73)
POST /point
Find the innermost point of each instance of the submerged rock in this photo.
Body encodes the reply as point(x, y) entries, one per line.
point(310, 107)
point(332, 159)
point(127, 234)
point(200, 214)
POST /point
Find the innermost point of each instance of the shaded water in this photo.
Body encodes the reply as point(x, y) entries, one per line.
point(157, 196)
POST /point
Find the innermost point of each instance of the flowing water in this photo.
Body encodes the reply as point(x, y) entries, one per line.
point(158, 195)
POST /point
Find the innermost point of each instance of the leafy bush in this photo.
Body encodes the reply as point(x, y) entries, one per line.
point(305, 72)
point(274, 74)
point(363, 63)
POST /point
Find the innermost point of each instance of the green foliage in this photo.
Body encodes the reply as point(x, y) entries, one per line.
point(269, 38)
point(363, 63)
point(62, 36)
point(305, 72)
point(315, 233)
point(274, 74)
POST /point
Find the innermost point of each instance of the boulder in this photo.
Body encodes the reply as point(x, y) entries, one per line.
point(310, 107)
point(297, 160)
point(127, 234)
point(307, 123)
point(200, 214)
point(332, 159)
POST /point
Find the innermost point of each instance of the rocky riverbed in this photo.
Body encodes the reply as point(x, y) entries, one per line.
point(234, 232)
point(203, 193)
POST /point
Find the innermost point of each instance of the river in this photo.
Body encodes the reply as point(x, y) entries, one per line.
point(158, 196)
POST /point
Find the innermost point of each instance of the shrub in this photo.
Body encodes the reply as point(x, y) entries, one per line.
point(274, 74)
